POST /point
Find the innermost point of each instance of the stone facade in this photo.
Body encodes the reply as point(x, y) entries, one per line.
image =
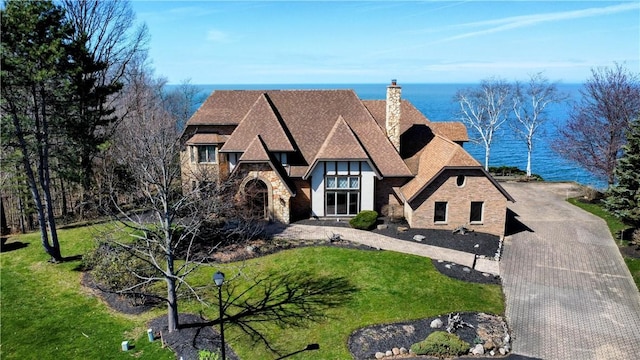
point(476, 187)
point(393, 114)
point(279, 196)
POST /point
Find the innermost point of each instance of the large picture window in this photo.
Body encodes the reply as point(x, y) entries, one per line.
point(440, 212)
point(342, 195)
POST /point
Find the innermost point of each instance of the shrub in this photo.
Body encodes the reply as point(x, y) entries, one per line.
point(365, 220)
point(441, 343)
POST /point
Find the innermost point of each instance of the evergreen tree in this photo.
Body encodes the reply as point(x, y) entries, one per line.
point(34, 49)
point(623, 198)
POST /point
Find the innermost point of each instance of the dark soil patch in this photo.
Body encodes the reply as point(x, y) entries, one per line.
point(630, 251)
point(464, 273)
point(364, 343)
point(190, 338)
point(121, 303)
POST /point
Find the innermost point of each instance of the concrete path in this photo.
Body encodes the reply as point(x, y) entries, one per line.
point(306, 232)
point(568, 292)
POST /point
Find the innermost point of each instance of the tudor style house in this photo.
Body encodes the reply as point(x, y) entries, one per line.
point(328, 154)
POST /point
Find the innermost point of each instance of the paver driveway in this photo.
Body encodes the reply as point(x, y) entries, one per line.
point(568, 292)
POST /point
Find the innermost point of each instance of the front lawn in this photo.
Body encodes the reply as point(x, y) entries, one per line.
point(47, 314)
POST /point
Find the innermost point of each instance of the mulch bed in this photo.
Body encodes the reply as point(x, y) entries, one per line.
point(472, 242)
point(191, 337)
point(364, 343)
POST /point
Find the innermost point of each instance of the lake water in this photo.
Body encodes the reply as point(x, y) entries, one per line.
point(436, 102)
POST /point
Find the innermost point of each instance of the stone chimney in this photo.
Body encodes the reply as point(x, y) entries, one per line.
point(393, 114)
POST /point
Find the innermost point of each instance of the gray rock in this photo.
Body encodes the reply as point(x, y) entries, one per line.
point(476, 246)
point(403, 351)
point(389, 353)
point(395, 351)
point(382, 226)
point(492, 353)
point(249, 249)
point(502, 351)
point(402, 228)
point(379, 355)
point(448, 266)
point(418, 237)
point(478, 350)
point(466, 269)
point(436, 324)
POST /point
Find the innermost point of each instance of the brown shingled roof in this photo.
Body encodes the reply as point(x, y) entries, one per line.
point(340, 144)
point(307, 117)
point(438, 154)
point(204, 138)
point(452, 130)
point(261, 119)
point(257, 153)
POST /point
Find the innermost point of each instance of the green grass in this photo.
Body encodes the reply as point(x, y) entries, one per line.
point(615, 227)
point(614, 224)
point(46, 314)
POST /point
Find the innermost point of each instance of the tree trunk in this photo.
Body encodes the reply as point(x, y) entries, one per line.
point(172, 305)
point(529, 150)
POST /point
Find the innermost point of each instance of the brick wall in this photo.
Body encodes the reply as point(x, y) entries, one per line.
point(420, 213)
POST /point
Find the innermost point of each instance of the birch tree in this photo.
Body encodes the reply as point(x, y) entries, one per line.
point(485, 109)
point(530, 102)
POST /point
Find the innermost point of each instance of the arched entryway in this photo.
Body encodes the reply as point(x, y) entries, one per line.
point(256, 196)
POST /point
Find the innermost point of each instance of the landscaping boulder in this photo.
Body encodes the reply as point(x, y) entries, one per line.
point(436, 324)
point(418, 237)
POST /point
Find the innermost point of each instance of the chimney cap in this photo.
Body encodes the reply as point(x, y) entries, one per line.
point(394, 82)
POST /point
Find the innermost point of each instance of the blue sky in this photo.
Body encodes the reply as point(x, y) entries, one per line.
point(298, 42)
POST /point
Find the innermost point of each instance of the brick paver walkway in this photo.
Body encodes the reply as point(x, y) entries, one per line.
point(568, 292)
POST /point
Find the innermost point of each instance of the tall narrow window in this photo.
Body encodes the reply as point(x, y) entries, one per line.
point(477, 208)
point(440, 213)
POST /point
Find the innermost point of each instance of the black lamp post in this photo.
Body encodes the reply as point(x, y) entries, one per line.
point(218, 278)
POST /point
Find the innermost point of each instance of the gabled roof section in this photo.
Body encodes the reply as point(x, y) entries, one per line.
point(262, 119)
point(257, 153)
point(341, 144)
point(439, 153)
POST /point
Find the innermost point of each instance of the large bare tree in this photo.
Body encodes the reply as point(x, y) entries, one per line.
point(485, 108)
point(595, 133)
point(147, 150)
point(530, 105)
